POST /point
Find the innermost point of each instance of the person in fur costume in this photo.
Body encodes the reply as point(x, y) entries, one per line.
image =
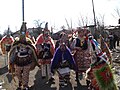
point(63, 62)
point(6, 42)
point(81, 49)
point(22, 58)
point(99, 76)
point(45, 48)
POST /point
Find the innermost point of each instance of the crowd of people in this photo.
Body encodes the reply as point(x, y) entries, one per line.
point(81, 53)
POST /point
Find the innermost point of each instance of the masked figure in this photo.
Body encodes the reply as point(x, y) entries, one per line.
point(22, 58)
point(99, 76)
point(6, 43)
point(105, 48)
point(63, 62)
point(63, 38)
point(45, 50)
point(81, 49)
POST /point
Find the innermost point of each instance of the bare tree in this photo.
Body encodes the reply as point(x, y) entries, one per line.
point(100, 20)
point(38, 23)
point(71, 24)
point(83, 21)
point(79, 22)
point(38, 29)
point(116, 15)
point(100, 26)
point(67, 24)
point(62, 27)
point(7, 32)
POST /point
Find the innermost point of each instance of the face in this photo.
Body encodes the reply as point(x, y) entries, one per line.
point(81, 33)
point(64, 38)
point(46, 33)
point(62, 47)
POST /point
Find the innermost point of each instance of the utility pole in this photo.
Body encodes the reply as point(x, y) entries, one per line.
point(23, 18)
point(94, 14)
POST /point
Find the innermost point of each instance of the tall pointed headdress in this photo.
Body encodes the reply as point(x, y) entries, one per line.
point(23, 32)
point(46, 31)
point(8, 32)
point(46, 26)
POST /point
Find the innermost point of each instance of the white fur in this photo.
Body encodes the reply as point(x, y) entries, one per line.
point(56, 77)
point(72, 79)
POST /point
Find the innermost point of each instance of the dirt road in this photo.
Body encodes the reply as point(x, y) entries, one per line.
point(37, 83)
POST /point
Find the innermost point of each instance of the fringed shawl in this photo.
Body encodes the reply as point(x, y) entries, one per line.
point(57, 58)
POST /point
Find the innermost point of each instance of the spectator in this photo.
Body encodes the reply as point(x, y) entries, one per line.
point(111, 37)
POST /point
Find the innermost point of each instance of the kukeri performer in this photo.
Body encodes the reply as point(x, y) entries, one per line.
point(99, 76)
point(45, 50)
point(63, 62)
point(63, 38)
point(81, 49)
point(105, 48)
point(30, 37)
point(22, 58)
point(6, 43)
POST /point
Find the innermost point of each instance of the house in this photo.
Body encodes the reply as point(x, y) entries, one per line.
point(56, 35)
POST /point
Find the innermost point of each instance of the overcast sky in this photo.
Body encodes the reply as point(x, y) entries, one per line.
point(55, 11)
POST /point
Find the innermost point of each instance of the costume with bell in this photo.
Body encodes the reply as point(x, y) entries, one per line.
point(100, 74)
point(6, 43)
point(81, 49)
point(105, 48)
point(45, 49)
point(22, 58)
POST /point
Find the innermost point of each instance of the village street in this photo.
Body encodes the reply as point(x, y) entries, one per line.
point(37, 83)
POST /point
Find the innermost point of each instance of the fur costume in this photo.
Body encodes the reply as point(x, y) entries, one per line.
point(100, 74)
point(6, 43)
point(63, 63)
point(22, 58)
point(45, 49)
